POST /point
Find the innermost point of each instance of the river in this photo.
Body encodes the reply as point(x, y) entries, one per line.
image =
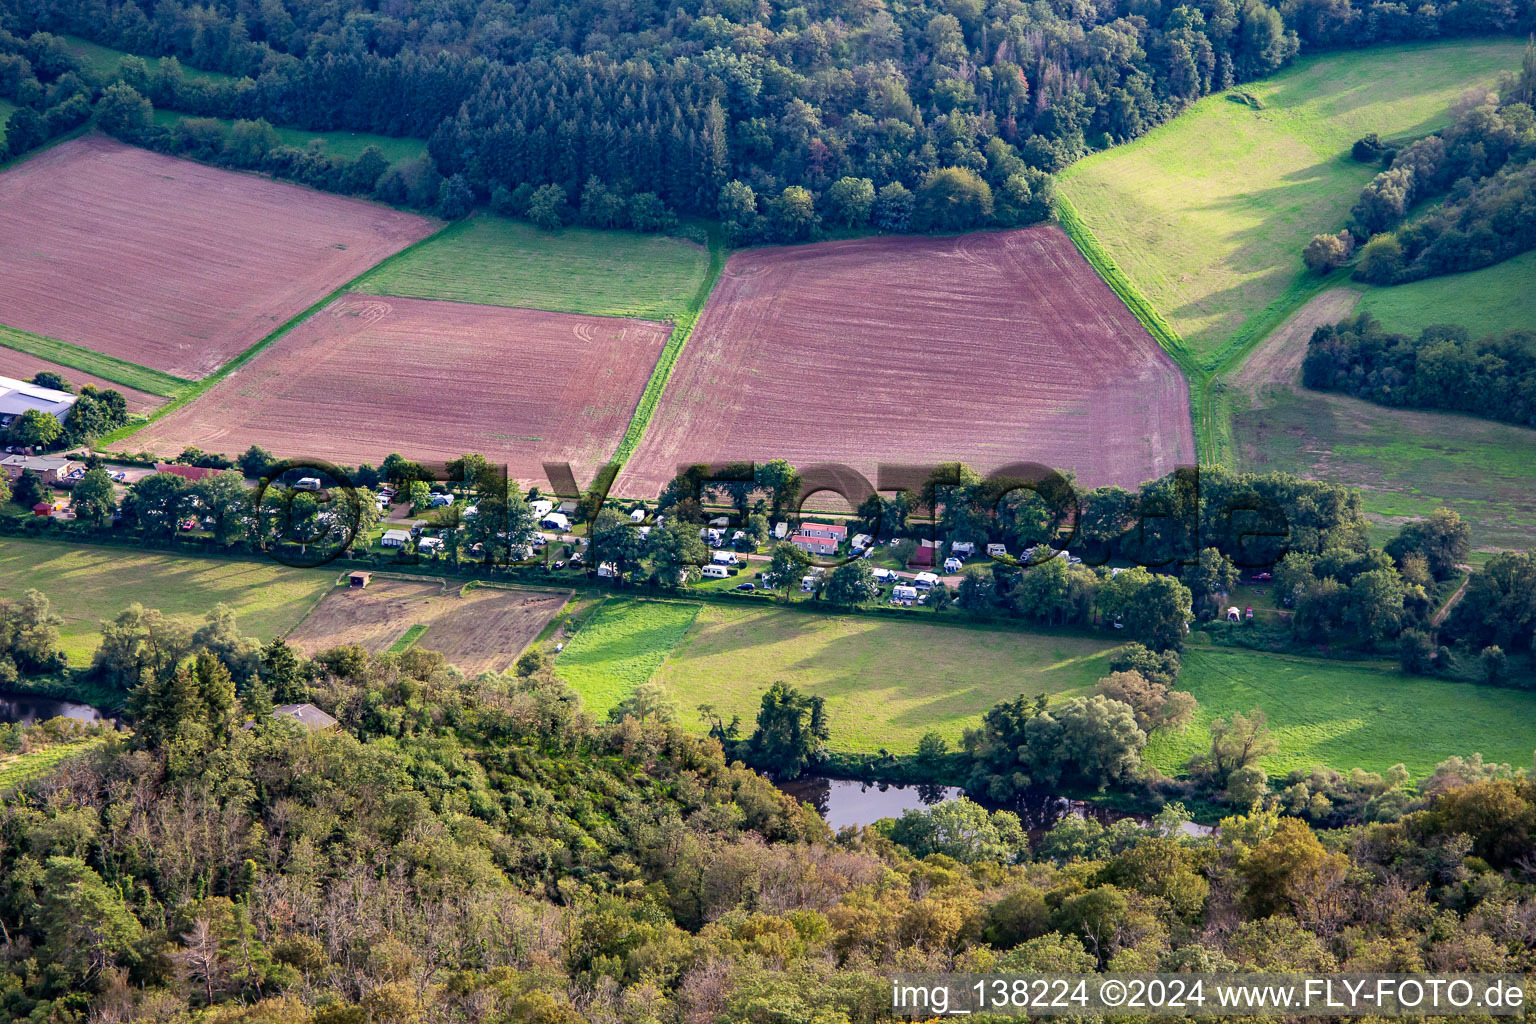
point(28, 709)
point(844, 802)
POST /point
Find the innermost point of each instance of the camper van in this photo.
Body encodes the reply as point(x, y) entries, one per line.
point(716, 572)
point(925, 581)
point(722, 558)
point(903, 595)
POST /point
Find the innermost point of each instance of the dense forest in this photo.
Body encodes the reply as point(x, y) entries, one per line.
point(1443, 368)
point(478, 850)
point(920, 115)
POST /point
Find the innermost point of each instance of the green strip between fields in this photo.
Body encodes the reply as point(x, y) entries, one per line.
point(408, 638)
point(118, 371)
point(682, 329)
point(200, 388)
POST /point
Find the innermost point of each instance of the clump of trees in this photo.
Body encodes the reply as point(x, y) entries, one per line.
point(1443, 368)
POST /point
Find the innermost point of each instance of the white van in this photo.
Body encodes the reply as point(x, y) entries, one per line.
point(716, 572)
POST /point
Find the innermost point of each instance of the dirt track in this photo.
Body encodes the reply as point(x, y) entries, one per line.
point(1278, 359)
point(168, 263)
point(990, 348)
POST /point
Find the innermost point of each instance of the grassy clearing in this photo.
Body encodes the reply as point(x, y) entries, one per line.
point(1350, 716)
point(1406, 463)
point(7, 108)
point(1488, 301)
point(1207, 215)
point(17, 768)
point(91, 585)
point(102, 62)
point(132, 375)
point(341, 144)
point(620, 647)
point(500, 262)
point(886, 681)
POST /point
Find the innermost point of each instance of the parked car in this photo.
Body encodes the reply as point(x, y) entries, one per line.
point(746, 587)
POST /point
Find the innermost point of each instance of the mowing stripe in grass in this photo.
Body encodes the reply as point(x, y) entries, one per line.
point(119, 371)
point(682, 329)
point(408, 638)
point(620, 647)
point(198, 389)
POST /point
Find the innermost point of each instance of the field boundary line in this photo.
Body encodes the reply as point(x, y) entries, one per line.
point(202, 387)
point(661, 375)
point(98, 364)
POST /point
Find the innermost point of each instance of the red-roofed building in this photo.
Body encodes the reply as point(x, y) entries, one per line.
point(814, 545)
point(191, 474)
point(923, 556)
point(829, 531)
point(42, 508)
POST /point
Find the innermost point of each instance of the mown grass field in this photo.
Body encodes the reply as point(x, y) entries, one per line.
point(1406, 463)
point(119, 371)
point(886, 681)
point(91, 585)
point(619, 647)
point(1488, 301)
point(1207, 215)
point(1350, 716)
point(500, 262)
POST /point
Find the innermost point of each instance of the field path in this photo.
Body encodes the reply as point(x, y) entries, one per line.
point(1278, 359)
point(1450, 602)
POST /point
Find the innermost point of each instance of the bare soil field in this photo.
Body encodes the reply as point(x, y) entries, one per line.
point(24, 365)
point(431, 380)
point(989, 348)
point(483, 629)
point(168, 263)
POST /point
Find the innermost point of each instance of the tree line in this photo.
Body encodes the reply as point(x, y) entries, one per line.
point(771, 119)
point(1443, 368)
point(1480, 168)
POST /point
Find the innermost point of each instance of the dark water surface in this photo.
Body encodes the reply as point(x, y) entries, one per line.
point(843, 802)
point(28, 709)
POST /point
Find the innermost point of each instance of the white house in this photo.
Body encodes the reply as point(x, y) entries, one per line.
point(395, 538)
point(814, 545)
point(830, 531)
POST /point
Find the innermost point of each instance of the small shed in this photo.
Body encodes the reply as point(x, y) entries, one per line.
point(359, 580)
point(42, 508)
point(922, 556)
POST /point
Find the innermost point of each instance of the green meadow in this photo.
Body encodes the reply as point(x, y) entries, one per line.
point(120, 371)
point(1492, 300)
point(1207, 214)
point(91, 585)
point(1349, 716)
point(619, 647)
point(501, 262)
point(348, 145)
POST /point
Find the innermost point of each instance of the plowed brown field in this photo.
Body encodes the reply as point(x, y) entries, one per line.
point(25, 365)
point(988, 348)
point(431, 380)
point(168, 263)
point(481, 630)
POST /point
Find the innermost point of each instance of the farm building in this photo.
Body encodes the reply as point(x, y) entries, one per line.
point(53, 469)
point(18, 396)
point(814, 545)
point(395, 538)
point(191, 474)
